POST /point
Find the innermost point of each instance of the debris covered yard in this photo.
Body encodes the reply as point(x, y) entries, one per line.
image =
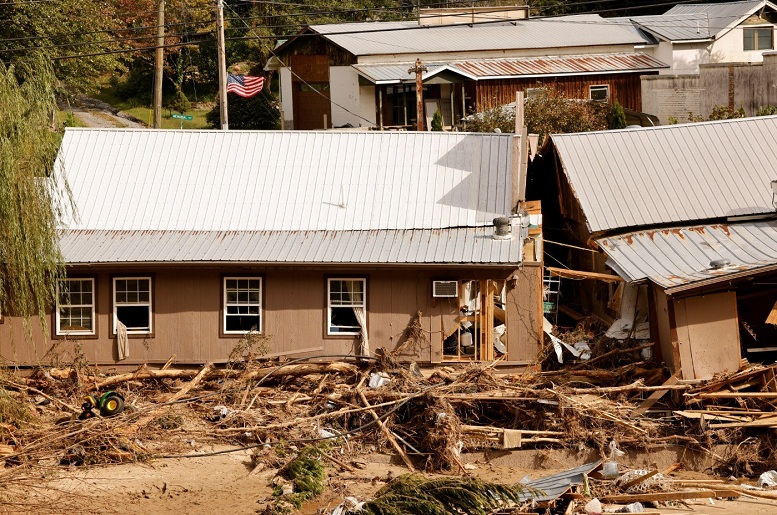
point(261, 436)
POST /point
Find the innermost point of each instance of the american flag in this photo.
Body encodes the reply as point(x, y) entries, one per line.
point(244, 85)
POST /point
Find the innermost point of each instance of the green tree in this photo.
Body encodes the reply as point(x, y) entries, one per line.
point(617, 117)
point(437, 121)
point(259, 112)
point(29, 244)
point(75, 35)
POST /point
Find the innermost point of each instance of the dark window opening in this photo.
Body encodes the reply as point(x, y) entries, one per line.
point(136, 318)
point(343, 320)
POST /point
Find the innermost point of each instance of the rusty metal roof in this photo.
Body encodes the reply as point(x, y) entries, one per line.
point(473, 245)
point(683, 256)
point(505, 68)
point(559, 65)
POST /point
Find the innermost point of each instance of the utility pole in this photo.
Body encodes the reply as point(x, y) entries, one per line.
point(159, 63)
point(222, 65)
point(419, 69)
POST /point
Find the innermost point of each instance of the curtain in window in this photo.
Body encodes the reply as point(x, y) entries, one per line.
point(122, 343)
point(364, 343)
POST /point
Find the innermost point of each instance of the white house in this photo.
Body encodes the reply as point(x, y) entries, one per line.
point(688, 35)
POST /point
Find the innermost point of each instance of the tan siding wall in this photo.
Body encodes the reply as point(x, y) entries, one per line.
point(524, 314)
point(187, 315)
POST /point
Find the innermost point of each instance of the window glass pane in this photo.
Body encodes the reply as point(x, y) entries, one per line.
point(600, 93)
point(765, 39)
point(749, 39)
point(121, 285)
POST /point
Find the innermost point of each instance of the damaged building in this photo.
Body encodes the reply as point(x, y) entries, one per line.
point(685, 214)
point(182, 243)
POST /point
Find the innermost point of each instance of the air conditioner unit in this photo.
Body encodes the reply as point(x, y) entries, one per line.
point(445, 289)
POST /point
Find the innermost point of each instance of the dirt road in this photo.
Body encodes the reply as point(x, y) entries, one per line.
point(95, 113)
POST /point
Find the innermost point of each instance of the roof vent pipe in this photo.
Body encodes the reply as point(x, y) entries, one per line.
point(502, 228)
point(717, 264)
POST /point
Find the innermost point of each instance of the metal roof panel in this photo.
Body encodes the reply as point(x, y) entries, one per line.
point(426, 246)
point(683, 255)
point(126, 179)
point(671, 174)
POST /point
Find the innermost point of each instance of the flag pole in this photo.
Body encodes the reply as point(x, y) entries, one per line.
point(222, 65)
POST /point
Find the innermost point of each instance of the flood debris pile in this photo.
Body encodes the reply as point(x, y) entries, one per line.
point(302, 416)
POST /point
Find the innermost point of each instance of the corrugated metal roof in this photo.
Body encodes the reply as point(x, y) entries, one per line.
point(125, 179)
point(552, 487)
point(384, 38)
point(671, 174)
point(396, 72)
point(479, 69)
point(679, 256)
point(721, 16)
point(559, 65)
point(440, 246)
point(677, 27)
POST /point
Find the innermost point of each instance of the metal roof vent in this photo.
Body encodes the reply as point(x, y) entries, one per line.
point(717, 264)
point(774, 194)
point(502, 228)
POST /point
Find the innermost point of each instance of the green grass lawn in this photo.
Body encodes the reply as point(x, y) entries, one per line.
point(145, 113)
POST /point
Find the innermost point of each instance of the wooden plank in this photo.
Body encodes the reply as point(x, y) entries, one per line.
point(733, 395)
point(582, 274)
point(670, 496)
point(639, 479)
point(386, 432)
point(714, 334)
point(655, 396)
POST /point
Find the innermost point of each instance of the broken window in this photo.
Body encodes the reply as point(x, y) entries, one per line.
point(75, 307)
point(480, 331)
point(346, 305)
point(132, 303)
point(242, 304)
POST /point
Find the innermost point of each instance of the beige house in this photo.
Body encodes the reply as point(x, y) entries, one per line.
point(319, 242)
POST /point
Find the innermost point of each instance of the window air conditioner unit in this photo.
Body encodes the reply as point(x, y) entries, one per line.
point(445, 289)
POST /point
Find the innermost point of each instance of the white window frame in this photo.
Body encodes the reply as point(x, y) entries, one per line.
point(756, 30)
point(60, 332)
point(533, 92)
point(226, 303)
point(597, 86)
point(148, 304)
point(330, 305)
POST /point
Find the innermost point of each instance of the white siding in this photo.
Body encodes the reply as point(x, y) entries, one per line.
point(730, 47)
point(344, 92)
point(367, 106)
point(287, 102)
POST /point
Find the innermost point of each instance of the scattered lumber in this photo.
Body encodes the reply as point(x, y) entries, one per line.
point(671, 496)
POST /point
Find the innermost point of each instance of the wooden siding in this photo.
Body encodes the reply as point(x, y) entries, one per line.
point(316, 45)
point(626, 88)
point(524, 313)
point(187, 315)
